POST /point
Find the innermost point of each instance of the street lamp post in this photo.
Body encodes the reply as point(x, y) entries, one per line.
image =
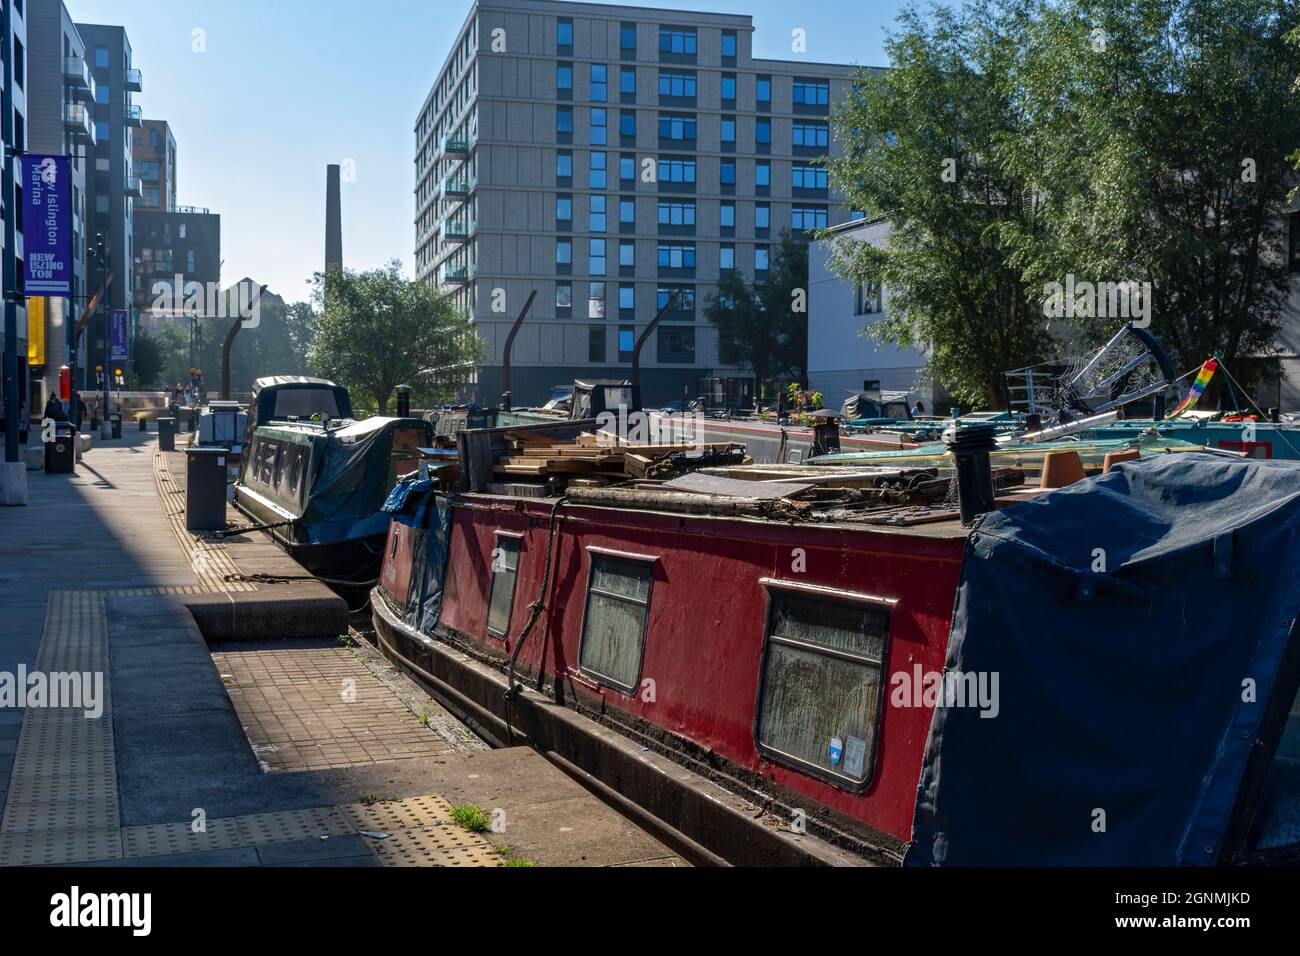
point(9, 277)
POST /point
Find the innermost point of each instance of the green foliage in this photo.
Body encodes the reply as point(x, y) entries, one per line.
point(1021, 141)
point(471, 817)
point(146, 361)
point(765, 326)
point(377, 330)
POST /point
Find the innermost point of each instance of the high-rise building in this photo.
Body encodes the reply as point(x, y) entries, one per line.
point(153, 154)
point(177, 270)
point(606, 157)
point(60, 94)
point(112, 187)
point(18, 41)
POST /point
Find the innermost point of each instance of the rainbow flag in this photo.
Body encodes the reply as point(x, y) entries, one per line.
point(1197, 390)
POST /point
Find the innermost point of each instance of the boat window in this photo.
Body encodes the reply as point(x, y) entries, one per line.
point(282, 454)
point(821, 692)
point(295, 472)
point(1277, 820)
point(505, 569)
point(613, 629)
point(306, 402)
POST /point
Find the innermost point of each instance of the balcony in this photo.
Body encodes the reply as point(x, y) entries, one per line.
point(77, 73)
point(78, 121)
point(456, 273)
point(458, 230)
point(134, 187)
point(458, 187)
point(131, 80)
point(458, 144)
point(133, 116)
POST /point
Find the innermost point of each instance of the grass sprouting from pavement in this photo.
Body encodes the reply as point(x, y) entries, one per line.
point(472, 818)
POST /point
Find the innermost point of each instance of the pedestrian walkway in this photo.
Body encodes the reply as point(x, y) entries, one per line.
point(302, 752)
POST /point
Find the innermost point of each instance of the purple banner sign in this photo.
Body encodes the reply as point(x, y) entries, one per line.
point(119, 321)
point(46, 182)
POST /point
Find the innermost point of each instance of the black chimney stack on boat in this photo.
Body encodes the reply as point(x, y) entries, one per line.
point(403, 400)
point(969, 446)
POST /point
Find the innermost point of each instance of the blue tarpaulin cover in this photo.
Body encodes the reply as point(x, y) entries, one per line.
point(1125, 618)
point(429, 562)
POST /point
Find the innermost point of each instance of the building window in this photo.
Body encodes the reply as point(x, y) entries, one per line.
point(596, 171)
point(614, 624)
point(564, 33)
point(564, 211)
point(505, 570)
point(627, 37)
point(101, 94)
point(676, 344)
point(761, 257)
point(627, 80)
point(676, 84)
point(564, 120)
point(626, 342)
point(762, 216)
point(626, 168)
point(683, 305)
point(728, 87)
point(763, 91)
point(564, 77)
point(598, 135)
point(763, 174)
point(599, 83)
point(627, 254)
point(812, 93)
point(727, 258)
point(677, 256)
point(596, 257)
point(101, 133)
point(677, 40)
point(808, 177)
point(564, 252)
point(823, 665)
point(596, 214)
point(564, 165)
point(676, 213)
point(626, 298)
point(866, 298)
point(807, 218)
point(812, 135)
point(729, 130)
point(564, 295)
point(676, 126)
point(729, 43)
point(727, 215)
point(763, 132)
point(677, 170)
point(596, 344)
point(101, 57)
point(20, 64)
point(627, 211)
point(595, 300)
point(727, 172)
point(627, 124)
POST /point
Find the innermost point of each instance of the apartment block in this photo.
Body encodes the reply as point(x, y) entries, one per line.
point(153, 154)
point(606, 158)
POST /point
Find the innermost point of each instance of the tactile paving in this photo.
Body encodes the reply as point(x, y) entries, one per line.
point(27, 787)
point(95, 814)
point(435, 846)
point(294, 825)
point(408, 814)
point(164, 838)
point(51, 847)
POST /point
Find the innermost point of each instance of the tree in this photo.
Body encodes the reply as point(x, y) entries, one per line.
point(922, 144)
point(764, 327)
point(147, 360)
point(377, 330)
point(1161, 152)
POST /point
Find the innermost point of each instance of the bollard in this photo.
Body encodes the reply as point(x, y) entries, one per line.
point(166, 434)
point(143, 423)
point(970, 446)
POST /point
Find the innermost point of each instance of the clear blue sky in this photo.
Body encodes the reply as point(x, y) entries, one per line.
point(286, 86)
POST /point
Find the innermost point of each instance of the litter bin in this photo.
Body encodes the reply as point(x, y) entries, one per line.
point(205, 488)
point(166, 434)
point(115, 423)
point(61, 450)
point(143, 423)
